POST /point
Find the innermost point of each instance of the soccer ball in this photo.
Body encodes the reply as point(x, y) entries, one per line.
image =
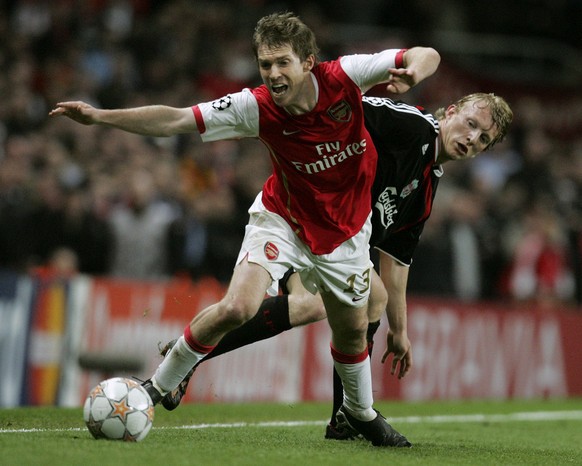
point(119, 409)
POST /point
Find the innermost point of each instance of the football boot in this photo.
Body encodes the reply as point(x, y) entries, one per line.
point(377, 431)
point(173, 398)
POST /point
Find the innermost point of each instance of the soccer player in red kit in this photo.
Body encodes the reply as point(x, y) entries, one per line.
point(313, 214)
point(412, 147)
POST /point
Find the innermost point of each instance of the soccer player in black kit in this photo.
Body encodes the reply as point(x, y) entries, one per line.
point(412, 145)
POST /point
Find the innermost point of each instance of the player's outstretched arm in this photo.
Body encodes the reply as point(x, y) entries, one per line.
point(395, 279)
point(153, 120)
point(419, 64)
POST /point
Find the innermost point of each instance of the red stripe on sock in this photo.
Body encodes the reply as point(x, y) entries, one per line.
point(195, 344)
point(348, 358)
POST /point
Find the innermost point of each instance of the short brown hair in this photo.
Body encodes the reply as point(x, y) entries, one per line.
point(501, 112)
point(280, 29)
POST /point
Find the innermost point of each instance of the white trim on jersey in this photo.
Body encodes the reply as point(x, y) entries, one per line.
point(401, 107)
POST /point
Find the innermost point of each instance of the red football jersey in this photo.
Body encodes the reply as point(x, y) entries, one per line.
point(323, 161)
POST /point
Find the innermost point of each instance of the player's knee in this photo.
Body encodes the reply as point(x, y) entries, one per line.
point(351, 329)
point(377, 302)
point(234, 312)
point(350, 340)
point(356, 332)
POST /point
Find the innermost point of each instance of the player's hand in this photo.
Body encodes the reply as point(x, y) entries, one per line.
point(80, 112)
point(399, 345)
point(401, 80)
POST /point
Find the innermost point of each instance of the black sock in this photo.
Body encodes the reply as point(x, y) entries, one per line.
point(338, 387)
point(271, 319)
point(338, 396)
point(372, 329)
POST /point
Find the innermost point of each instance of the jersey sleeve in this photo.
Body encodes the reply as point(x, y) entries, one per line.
point(402, 244)
point(368, 70)
point(233, 116)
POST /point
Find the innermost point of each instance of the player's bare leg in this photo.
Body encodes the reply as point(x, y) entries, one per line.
point(242, 300)
point(275, 315)
point(304, 307)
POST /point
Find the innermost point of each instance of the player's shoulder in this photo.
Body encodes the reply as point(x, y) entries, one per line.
point(231, 116)
point(330, 69)
point(382, 108)
point(258, 92)
point(384, 104)
point(230, 102)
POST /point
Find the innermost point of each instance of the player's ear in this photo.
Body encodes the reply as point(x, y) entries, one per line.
point(309, 63)
point(451, 110)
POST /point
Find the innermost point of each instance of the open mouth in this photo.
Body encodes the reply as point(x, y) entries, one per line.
point(463, 149)
point(279, 89)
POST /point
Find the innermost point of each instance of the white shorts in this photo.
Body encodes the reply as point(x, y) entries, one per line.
point(271, 243)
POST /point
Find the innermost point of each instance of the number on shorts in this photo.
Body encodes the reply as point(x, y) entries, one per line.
point(352, 282)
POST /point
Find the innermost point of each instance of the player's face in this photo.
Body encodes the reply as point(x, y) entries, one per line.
point(287, 78)
point(466, 131)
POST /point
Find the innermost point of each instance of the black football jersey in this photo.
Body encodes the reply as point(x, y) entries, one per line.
point(406, 176)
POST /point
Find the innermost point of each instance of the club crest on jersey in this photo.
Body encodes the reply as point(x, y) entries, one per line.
point(341, 112)
point(223, 103)
point(271, 251)
point(409, 188)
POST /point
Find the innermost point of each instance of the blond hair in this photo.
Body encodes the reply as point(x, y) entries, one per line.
point(501, 112)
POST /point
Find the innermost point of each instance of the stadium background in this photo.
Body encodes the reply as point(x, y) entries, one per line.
point(106, 236)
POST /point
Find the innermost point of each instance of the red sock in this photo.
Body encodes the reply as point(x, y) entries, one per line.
point(194, 344)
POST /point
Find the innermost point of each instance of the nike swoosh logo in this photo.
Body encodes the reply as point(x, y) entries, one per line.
point(287, 133)
point(359, 298)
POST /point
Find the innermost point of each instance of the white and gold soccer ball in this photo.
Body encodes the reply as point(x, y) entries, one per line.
point(119, 409)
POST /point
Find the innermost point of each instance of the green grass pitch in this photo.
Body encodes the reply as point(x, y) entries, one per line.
point(443, 433)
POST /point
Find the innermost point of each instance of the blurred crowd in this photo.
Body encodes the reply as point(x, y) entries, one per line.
point(79, 199)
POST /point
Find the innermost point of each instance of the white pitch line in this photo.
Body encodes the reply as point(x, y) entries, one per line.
point(513, 417)
point(534, 416)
